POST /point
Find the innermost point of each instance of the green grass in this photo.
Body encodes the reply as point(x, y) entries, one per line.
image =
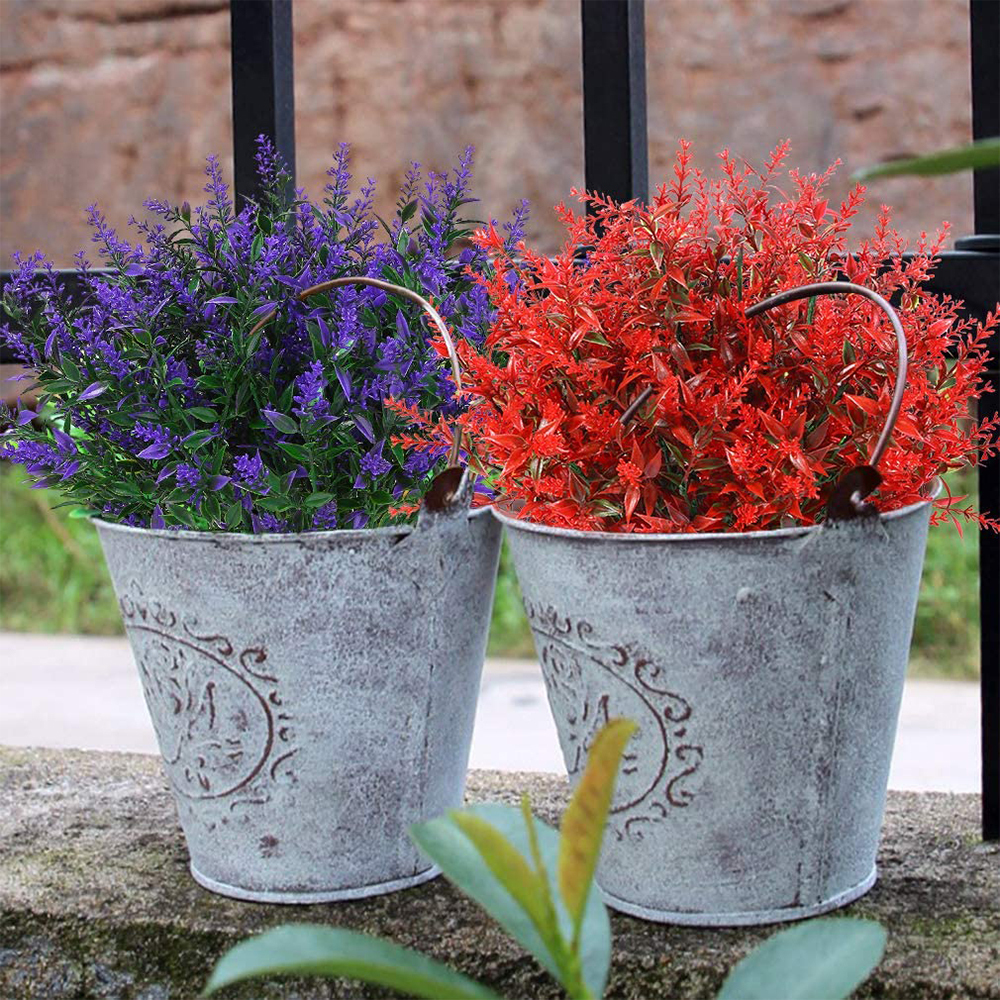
point(52, 573)
point(509, 631)
point(946, 630)
point(53, 579)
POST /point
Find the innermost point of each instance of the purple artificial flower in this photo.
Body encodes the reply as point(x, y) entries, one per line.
point(364, 425)
point(189, 477)
point(63, 442)
point(325, 517)
point(92, 391)
point(155, 451)
point(344, 379)
point(249, 471)
point(173, 385)
point(310, 400)
point(374, 464)
point(160, 438)
point(264, 522)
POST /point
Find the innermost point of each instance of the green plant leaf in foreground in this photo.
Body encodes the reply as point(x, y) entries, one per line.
point(823, 959)
point(978, 155)
point(312, 950)
point(527, 887)
point(583, 822)
point(453, 852)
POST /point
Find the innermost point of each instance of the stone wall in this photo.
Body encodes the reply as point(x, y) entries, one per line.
point(118, 100)
point(96, 901)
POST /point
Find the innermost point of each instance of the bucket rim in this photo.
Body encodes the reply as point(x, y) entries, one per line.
point(696, 537)
point(337, 535)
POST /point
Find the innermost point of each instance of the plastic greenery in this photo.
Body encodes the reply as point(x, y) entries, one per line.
point(538, 885)
point(160, 407)
point(982, 154)
point(751, 422)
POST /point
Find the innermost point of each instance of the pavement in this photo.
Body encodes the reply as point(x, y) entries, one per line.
point(83, 692)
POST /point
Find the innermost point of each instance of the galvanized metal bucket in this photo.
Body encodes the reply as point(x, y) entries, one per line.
point(313, 694)
point(765, 670)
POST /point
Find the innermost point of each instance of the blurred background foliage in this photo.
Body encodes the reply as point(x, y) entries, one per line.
point(53, 579)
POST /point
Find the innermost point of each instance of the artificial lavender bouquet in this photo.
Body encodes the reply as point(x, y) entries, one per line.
point(162, 406)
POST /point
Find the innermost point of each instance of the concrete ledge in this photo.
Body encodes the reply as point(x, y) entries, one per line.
point(96, 900)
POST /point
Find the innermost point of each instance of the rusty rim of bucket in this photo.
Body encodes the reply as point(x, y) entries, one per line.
point(306, 539)
point(695, 537)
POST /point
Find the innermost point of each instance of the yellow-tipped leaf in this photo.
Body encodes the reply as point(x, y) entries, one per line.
point(583, 822)
point(528, 887)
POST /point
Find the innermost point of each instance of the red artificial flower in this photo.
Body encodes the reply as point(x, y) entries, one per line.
point(750, 421)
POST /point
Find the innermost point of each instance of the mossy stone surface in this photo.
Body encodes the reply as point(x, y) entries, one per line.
point(96, 900)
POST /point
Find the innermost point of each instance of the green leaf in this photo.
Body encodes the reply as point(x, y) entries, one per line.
point(274, 504)
point(299, 452)
point(204, 414)
point(312, 950)
point(318, 499)
point(583, 822)
point(69, 368)
point(979, 155)
point(234, 516)
point(281, 421)
point(526, 886)
point(122, 419)
point(452, 851)
point(183, 514)
point(211, 509)
point(58, 385)
point(407, 211)
point(198, 439)
point(823, 959)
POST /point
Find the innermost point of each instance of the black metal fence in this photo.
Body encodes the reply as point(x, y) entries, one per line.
point(616, 163)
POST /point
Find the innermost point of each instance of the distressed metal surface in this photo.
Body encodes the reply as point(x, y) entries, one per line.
point(765, 670)
point(313, 695)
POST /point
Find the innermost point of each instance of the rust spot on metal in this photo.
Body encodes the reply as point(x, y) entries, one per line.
point(444, 490)
point(847, 498)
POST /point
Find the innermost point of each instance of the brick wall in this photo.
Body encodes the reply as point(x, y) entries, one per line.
point(117, 100)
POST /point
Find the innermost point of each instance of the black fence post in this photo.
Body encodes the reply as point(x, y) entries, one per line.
point(984, 26)
point(616, 160)
point(263, 86)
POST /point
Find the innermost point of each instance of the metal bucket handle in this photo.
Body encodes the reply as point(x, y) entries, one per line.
point(848, 496)
point(447, 485)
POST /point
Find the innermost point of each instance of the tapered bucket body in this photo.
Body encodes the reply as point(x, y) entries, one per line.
point(313, 695)
point(765, 671)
